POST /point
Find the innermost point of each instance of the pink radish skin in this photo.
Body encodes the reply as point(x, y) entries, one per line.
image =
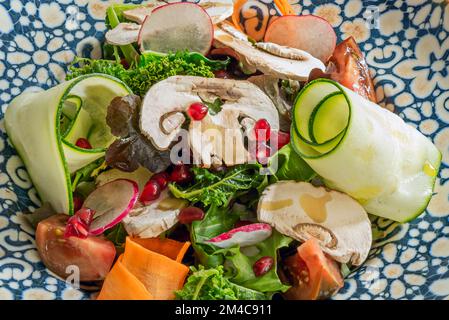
point(244, 236)
point(310, 33)
point(112, 202)
point(164, 21)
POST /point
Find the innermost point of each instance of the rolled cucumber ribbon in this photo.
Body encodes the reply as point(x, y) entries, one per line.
point(44, 127)
point(364, 150)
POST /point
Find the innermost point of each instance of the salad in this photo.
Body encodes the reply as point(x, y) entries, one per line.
point(216, 153)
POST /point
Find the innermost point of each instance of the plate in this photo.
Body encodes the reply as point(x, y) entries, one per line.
point(407, 47)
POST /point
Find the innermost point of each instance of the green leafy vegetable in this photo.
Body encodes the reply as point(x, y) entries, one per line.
point(242, 265)
point(88, 172)
point(238, 266)
point(214, 107)
point(117, 235)
point(286, 164)
point(141, 78)
point(195, 58)
point(211, 284)
point(220, 188)
point(216, 221)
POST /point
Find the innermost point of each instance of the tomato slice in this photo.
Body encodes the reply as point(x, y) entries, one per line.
point(93, 256)
point(312, 274)
point(348, 67)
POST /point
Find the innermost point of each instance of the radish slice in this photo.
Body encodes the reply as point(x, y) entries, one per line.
point(177, 27)
point(309, 33)
point(248, 235)
point(111, 202)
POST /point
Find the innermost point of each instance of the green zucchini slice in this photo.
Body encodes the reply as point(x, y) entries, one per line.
point(364, 150)
point(44, 126)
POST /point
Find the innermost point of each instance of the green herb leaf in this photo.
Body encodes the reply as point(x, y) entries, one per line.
point(286, 164)
point(219, 189)
point(211, 284)
point(214, 107)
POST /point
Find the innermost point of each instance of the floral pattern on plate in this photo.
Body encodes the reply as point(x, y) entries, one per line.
point(407, 47)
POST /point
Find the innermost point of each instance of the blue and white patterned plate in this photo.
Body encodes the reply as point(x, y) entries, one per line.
point(407, 47)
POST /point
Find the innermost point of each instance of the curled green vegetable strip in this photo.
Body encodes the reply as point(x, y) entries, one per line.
point(364, 150)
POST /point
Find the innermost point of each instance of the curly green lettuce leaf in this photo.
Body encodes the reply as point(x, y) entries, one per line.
point(211, 284)
point(141, 78)
point(219, 188)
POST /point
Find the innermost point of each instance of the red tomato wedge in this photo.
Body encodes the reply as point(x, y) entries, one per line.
point(93, 256)
point(348, 66)
point(313, 275)
point(309, 33)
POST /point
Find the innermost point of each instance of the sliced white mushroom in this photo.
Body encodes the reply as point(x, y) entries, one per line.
point(170, 98)
point(270, 59)
point(301, 211)
point(152, 220)
point(218, 10)
point(123, 34)
point(270, 85)
point(139, 14)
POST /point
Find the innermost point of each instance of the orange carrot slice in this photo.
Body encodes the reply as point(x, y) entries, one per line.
point(148, 269)
point(120, 284)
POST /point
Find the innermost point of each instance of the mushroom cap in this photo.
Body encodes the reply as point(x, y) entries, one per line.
point(301, 211)
point(123, 34)
point(279, 61)
point(173, 96)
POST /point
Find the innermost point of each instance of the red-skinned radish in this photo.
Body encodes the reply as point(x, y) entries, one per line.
point(308, 32)
point(244, 236)
point(111, 203)
point(164, 31)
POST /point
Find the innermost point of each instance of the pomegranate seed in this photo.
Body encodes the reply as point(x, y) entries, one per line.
point(262, 130)
point(78, 224)
point(197, 111)
point(83, 143)
point(181, 174)
point(77, 203)
point(263, 153)
point(262, 266)
point(222, 74)
point(162, 179)
point(283, 139)
point(242, 223)
point(151, 191)
point(190, 214)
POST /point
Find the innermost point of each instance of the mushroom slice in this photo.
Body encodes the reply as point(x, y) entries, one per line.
point(218, 10)
point(302, 211)
point(240, 99)
point(271, 59)
point(124, 33)
point(152, 220)
point(140, 13)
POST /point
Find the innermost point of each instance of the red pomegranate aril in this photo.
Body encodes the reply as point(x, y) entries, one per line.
point(83, 143)
point(77, 203)
point(222, 74)
point(242, 223)
point(197, 111)
point(283, 139)
point(181, 174)
point(190, 214)
point(78, 224)
point(262, 130)
point(162, 178)
point(151, 191)
point(262, 266)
